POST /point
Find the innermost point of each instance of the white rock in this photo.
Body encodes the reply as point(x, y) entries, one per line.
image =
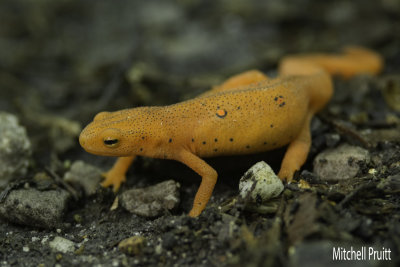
point(260, 183)
point(61, 244)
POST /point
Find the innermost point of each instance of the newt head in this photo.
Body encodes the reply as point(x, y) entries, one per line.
point(107, 135)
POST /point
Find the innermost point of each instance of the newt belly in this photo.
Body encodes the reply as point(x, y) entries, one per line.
point(248, 113)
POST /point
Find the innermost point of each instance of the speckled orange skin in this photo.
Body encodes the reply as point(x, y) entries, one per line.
point(248, 113)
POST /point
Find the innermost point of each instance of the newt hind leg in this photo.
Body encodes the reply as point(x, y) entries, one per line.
point(297, 151)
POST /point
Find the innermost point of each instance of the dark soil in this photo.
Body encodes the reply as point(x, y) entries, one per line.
point(68, 60)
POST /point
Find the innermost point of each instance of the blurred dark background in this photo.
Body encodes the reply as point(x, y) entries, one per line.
point(75, 58)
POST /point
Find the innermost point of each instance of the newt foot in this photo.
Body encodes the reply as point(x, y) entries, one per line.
point(194, 212)
point(286, 175)
point(114, 179)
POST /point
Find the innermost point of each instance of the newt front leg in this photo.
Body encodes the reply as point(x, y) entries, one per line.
point(117, 174)
point(208, 180)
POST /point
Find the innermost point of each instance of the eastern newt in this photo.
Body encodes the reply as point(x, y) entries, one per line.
point(248, 113)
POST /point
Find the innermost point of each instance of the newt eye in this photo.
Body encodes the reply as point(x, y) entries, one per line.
point(111, 142)
point(111, 137)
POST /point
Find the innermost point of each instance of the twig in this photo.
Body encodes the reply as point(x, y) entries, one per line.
point(59, 180)
point(352, 194)
point(346, 130)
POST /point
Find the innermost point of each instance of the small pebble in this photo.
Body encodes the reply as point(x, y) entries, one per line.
point(15, 148)
point(115, 203)
point(77, 218)
point(85, 175)
point(132, 245)
point(62, 245)
point(303, 184)
point(260, 183)
point(340, 163)
point(80, 250)
point(153, 200)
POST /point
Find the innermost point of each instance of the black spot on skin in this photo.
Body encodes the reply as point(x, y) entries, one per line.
point(238, 107)
point(272, 126)
point(276, 98)
point(265, 143)
point(231, 139)
point(282, 104)
point(281, 96)
point(247, 146)
point(204, 142)
point(192, 140)
point(216, 140)
point(141, 149)
point(142, 137)
point(170, 140)
point(215, 150)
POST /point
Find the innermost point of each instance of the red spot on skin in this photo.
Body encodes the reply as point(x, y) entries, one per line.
point(221, 113)
point(280, 101)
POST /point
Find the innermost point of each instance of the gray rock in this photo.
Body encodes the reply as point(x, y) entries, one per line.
point(61, 244)
point(340, 163)
point(85, 175)
point(153, 200)
point(43, 209)
point(61, 132)
point(15, 148)
point(260, 183)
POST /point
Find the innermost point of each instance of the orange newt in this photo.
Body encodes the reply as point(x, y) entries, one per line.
point(248, 113)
